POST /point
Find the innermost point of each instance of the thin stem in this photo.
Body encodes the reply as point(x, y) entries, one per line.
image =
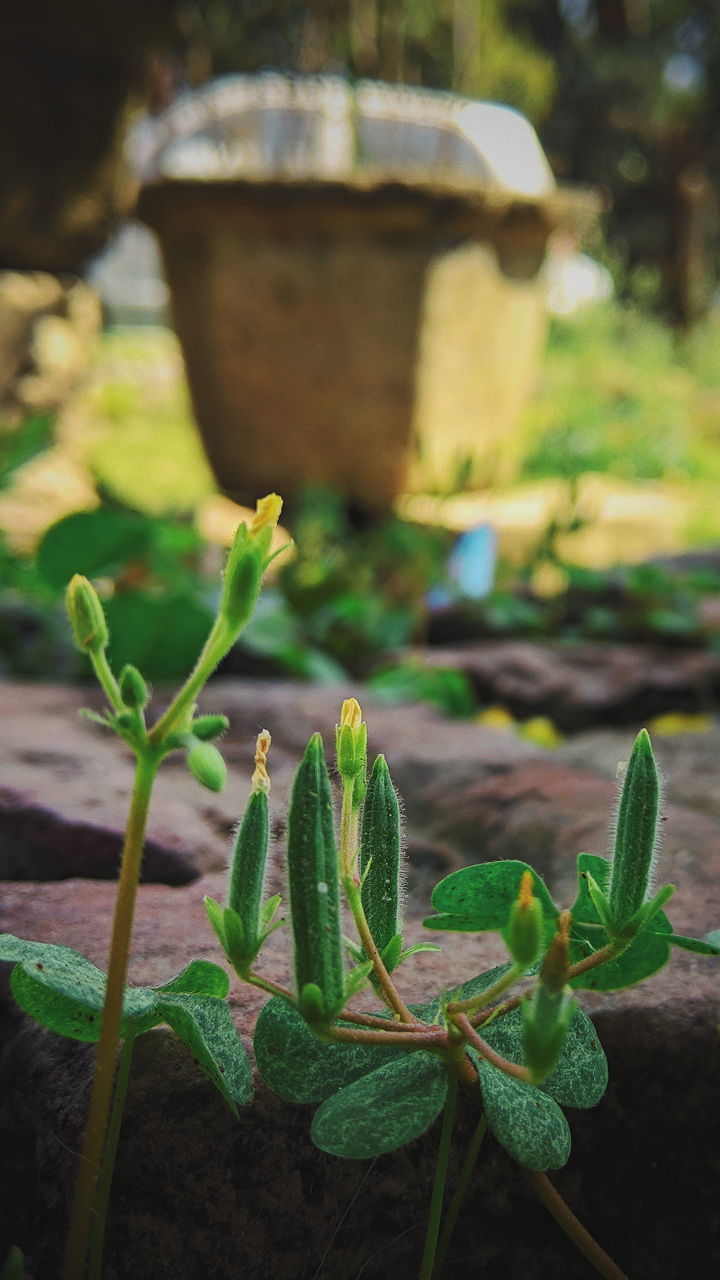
point(573, 1228)
point(390, 993)
point(427, 1265)
point(591, 962)
point(102, 1200)
point(496, 1059)
point(458, 1196)
point(349, 828)
point(347, 1015)
point(102, 1086)
point(486, 997)
point(358, 1035)
point(214, 649)
point(106, 679)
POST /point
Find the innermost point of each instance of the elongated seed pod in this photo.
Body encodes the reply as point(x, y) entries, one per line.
point(313, 881)
point(635, 833)
point(380, 855)
point(249, 858)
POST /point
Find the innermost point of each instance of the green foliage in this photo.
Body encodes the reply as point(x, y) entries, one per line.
point(480, 898)
point(526, 1122)
point(301, 1067)
point(313, 882)
point(380, 859)
point(383, 1110)
point(64, 992)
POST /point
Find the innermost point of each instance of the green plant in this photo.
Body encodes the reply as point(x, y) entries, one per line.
point(381, 1078)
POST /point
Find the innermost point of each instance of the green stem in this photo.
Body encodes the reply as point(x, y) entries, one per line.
point(391, 995)
point(214, 649)
point(486, 1051)
point(102, 1086)
point(106, 679)
point(427, 1265)
point(427, 1039)
point(97, 1239)
point(474, 1003)
point(573, 1228)
point(459, 1193)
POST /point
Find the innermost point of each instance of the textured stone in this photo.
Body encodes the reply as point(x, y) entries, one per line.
point(200, 1193)
point(583, 685)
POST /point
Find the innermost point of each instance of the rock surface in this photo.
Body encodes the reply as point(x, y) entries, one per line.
point(579, 686)
point(198, 1193)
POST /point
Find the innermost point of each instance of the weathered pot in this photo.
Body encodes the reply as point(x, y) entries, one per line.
point(371, 327)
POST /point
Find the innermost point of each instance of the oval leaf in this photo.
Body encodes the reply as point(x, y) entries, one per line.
point(92, 543)
point(65, 992)
point(527, 1122)
point(581, 1074)
point(478, 899)
point(200, 978)
point(205, 1025)
point(300, 1067)
point(383, 1110)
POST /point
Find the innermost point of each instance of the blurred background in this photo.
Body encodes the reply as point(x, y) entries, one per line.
point(255, 244)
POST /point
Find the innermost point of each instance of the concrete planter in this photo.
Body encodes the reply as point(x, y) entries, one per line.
point(369, 325)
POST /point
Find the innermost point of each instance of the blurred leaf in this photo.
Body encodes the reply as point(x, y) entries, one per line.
point(443, 687)
point(21, 444)
point(94, 543)
point(162, 637)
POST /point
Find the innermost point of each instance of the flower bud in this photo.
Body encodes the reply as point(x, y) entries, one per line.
point(87, 618)
point(207, 728)
point(351, 741)
point(524, 934)
point(635, 834)
point(246, 563)
point(546, 1020)
point(133, 689)
point(206, 764)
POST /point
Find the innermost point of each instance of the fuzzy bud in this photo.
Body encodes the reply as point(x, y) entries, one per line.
point(87, 618)
point(525, 928)
point(635, 834)
point(133, 689)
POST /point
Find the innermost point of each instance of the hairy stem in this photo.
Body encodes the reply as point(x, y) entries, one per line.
point(458, 1196)
point(475, 1003)
point(106, 679)
point(103, 1079)
point(97, 1237)
point(427, 1039)
point(580, 1236)
point(510, 1068)
point(390, 993)
point(427, 1266)
point(214, 649)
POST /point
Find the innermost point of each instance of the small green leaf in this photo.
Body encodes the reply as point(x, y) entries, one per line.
point(384, 1110)
point(698, 945)
point(357, 978)
point(93, 543)
point(648, 953)
point(205, 1025)
point(480, 898)
point(526, 1121)
point(65, 992)
point(200, 978)
point(302, 1068)
point(580, 1076)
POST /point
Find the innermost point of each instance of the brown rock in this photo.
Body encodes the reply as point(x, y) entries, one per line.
point(582, 685)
